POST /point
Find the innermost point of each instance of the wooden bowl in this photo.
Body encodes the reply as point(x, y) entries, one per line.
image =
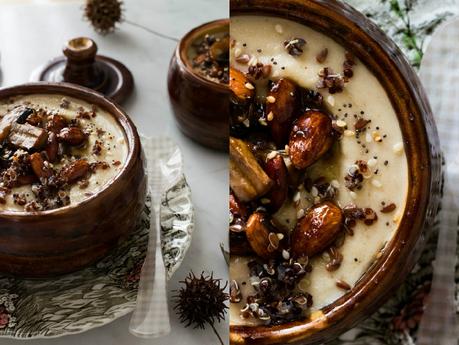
point(380, 54)
point(200, 106)
point(47, 243)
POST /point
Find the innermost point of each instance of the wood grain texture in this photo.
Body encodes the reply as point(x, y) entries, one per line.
point(200, 106)
point(47, 243)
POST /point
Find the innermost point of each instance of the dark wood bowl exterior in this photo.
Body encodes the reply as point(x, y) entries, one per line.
point(380, 54)
point(48, 243)
point(200, 106)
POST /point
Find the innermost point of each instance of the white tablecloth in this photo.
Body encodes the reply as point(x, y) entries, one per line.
point(31, 32)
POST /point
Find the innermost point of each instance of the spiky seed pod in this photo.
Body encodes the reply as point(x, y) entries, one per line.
point(201, 300)
point(104, 14)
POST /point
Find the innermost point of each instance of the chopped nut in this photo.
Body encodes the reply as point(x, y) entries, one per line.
point(331, 100)
point(285, 254)
point(341, 123)
point(249, 86)
point(322, 56)
point(270, 99)
point(271, 155)
point(278, 28)
point(349, 133)
point(343, 285)
point(243, 59)
point(368, 138)
point(372, 162)
point(300, 213)
point(295, 46)
point(237, 52)
point(270, 116)
point(388, 208)
point(376, 183)
point(27, 136)
point(361, 124)
point(398, 148)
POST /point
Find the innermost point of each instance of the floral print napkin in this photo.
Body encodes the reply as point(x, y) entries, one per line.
point(410, 23)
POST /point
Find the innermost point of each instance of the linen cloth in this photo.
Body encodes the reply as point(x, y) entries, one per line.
point(439, 73)
point(151, 316)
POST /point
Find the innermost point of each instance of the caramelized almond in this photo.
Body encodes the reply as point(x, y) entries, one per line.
point(317, 229)
point(277, 171)
point(281, 109)
point(74, 171)
point(56, 123)
point(23, 180)
point(72, 136)
point(247, 179)
point(39, 167)
point(258, 231)
point(311, 137)
point(240, 86)
point(237, 208)
point(52, 147)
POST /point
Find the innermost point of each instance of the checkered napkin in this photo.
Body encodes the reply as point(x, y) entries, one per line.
point(440, 75)
point(151, 316)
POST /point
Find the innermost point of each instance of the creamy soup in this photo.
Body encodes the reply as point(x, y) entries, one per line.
point(56, 151)
point(370, 144)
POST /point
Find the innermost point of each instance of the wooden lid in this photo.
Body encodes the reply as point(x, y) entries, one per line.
point(82, 66)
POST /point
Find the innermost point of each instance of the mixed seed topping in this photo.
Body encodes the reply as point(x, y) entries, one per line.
point(281, 134)
point(212, 57)
point(44, 150)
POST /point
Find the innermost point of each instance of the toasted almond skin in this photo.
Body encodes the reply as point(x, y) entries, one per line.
point(25, 180)
point(56, 123)
point(283, 110)
point(237, 208)
point(52, 146)
point(74, 171)
point(258, 235)
point(317, 230)
point(72, 136)
point(275, 168)
point(311, 137)
point(239, 245)
point(38, 166)
point(238, 87)
point(247, 179)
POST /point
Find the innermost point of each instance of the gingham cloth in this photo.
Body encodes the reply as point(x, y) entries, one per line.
point(440, 75)
point(151, 316)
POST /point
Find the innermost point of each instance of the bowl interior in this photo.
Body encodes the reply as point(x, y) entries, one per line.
point(186, 50)
point(363, 38)
point(91, 97)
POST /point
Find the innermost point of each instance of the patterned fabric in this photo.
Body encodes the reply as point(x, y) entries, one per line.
point(109, 289)
point(410, 23)
point(165, 253)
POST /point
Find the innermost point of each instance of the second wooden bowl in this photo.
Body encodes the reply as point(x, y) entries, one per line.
point(200, 106)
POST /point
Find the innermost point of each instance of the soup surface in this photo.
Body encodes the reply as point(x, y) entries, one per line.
point(365, 169)
point(56, 151)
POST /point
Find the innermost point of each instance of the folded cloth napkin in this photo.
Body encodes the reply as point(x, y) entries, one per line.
point(151, 316)
point(439, 73)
